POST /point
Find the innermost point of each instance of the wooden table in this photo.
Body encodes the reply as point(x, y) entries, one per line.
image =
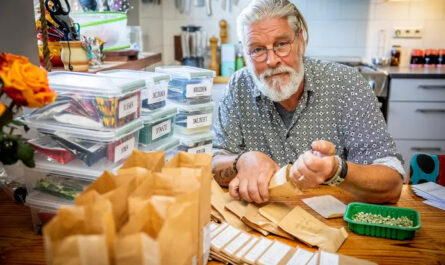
point(19, 245)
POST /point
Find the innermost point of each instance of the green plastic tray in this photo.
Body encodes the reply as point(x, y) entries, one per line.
point(381, 230)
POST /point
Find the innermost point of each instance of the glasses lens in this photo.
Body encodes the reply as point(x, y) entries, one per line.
point(259, 56)
point(283, 50)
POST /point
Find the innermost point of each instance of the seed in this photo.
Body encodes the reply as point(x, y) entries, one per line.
point(402, 221)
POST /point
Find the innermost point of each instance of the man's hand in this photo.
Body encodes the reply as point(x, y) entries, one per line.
point(255, 170)
point(311, 170)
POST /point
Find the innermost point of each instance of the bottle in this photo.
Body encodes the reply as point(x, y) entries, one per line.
point(431, 57)
point(239, 63)
point(441, 58)
point(395, 55)
point(417, 59)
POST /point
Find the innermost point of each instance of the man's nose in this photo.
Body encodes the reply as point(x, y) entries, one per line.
point(272, 59)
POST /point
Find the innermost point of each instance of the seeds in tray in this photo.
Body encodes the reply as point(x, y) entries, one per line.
point(402, 221)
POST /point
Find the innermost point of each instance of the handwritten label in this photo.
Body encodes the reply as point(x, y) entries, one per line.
point(327, 258)
point(201, 120)
point(218, 229)
point(249, 244)
point(224, 237)
point(128, 106)
point(236, 244)
point(124, 149)
point(274, 254)
point(157, 95)
point(198, 90)
point(258, 250)
point(301, 257)
point(161, 129)
point(204, 149)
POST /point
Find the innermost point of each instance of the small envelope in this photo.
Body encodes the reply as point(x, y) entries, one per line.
point(327, 206)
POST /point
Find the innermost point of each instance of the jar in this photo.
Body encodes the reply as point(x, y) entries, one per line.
point(441, 58)
point(417, 59)
point(395, 55)
point(74, 56)
point(430, 57)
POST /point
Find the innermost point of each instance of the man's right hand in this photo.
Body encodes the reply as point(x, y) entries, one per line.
point(255, 169)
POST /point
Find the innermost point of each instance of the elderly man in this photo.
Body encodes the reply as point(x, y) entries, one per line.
point(286, 108)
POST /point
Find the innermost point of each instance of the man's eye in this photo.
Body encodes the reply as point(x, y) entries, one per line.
point(282, 43)
point(257, 50)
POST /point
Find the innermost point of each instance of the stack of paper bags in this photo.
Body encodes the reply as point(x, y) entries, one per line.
point(149, 213)
point(231, 245)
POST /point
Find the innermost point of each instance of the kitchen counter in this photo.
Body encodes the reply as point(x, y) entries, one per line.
point(412, 72)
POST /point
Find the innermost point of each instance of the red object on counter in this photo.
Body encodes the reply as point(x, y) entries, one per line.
point(417, 59)
point(441, 58)
point(431, 57)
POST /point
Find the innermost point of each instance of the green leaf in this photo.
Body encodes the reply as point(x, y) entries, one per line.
point(18, 123)
point(6, 117)
point(25, 153)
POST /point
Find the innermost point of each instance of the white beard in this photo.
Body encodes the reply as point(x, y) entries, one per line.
point(277, 91)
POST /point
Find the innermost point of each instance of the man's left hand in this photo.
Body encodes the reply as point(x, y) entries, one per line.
point(311, 170)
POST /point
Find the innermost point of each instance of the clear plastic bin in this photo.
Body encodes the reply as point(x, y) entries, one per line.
point(193, 119)
point(43, 208)
point(169, 145)
point(158, 125)
point(197, 143)
point(190, 85)
point(91, 151)
point(111, 27)
point(90, 101)
point(156, 85)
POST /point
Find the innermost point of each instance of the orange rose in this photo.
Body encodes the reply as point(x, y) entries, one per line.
point(2, 109)
point(25, 83)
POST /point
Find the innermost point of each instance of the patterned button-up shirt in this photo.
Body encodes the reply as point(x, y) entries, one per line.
point(337, 105)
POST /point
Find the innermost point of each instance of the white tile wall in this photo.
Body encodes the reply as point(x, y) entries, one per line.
point(336, 27)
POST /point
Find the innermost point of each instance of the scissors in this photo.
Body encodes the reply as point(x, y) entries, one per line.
point(60, 15)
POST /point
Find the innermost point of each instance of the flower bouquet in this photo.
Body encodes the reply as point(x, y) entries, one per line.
point(22, 84)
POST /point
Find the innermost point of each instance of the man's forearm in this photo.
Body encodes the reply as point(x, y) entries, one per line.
point(373, 183)
point(222, 167)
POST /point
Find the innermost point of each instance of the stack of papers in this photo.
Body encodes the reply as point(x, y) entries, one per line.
point(432, 192)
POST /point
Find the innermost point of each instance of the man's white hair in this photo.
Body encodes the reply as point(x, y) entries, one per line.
point(262, 9)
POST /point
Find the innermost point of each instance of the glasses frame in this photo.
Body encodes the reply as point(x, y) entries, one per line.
point(274, 51)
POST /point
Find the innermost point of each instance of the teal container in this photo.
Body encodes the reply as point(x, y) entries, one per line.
point(381, 230)
point(158, 125)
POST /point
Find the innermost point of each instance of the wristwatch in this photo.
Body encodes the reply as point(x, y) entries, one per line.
point(340, 174)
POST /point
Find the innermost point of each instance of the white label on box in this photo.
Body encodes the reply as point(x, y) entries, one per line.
point(213, 226)
point(161, 129)
point(301, 257)
point(124, 149)
point(203, 149)
point(224, 237)
point(157, 95)
point(240, 240)
point(201, 120)
point(258, 250)
point(128, 106)
point(314, 259)
point(217, 230)
point(241, 253)
point(198, 90)
point(206, 241)
point(274, 254)
point(327, 258)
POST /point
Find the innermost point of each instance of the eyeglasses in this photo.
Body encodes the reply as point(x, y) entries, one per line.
point(280, 49)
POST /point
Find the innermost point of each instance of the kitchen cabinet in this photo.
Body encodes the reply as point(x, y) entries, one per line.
point(416, 114)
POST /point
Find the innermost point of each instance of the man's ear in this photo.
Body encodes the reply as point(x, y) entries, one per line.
point(301, 41)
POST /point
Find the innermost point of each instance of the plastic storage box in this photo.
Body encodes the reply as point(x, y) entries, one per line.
point(196, 143)
point(83, 151)
point(188, 84)
point(111, 27)
point(156, 85)
point(158, 125)
point(90, 101)
point(382, 230)
point(169, 145)
point(193, 119)
point(43, 208)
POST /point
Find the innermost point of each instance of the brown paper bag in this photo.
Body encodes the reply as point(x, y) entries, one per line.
point(253, 216)
point(280, 186)
point(165, 225)
point(275, 211)
point(313, 232)
point(204, 162)
point(153, 161)
point(81, 235)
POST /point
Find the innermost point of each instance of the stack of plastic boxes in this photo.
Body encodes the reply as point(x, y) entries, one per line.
point(190, 91)
point(92, 126)
point(159, 118)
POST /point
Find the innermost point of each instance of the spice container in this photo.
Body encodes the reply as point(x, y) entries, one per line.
point(417, 59)
point(158, 125)
point(93, 150)
point(395, 55)
point(441, 58)
point(154, 94)
point(190, 85)
point(91, 101)
point(197, 143)
point(431, 57)
point(43, 208)
point(382, 230)
point(193, 119)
